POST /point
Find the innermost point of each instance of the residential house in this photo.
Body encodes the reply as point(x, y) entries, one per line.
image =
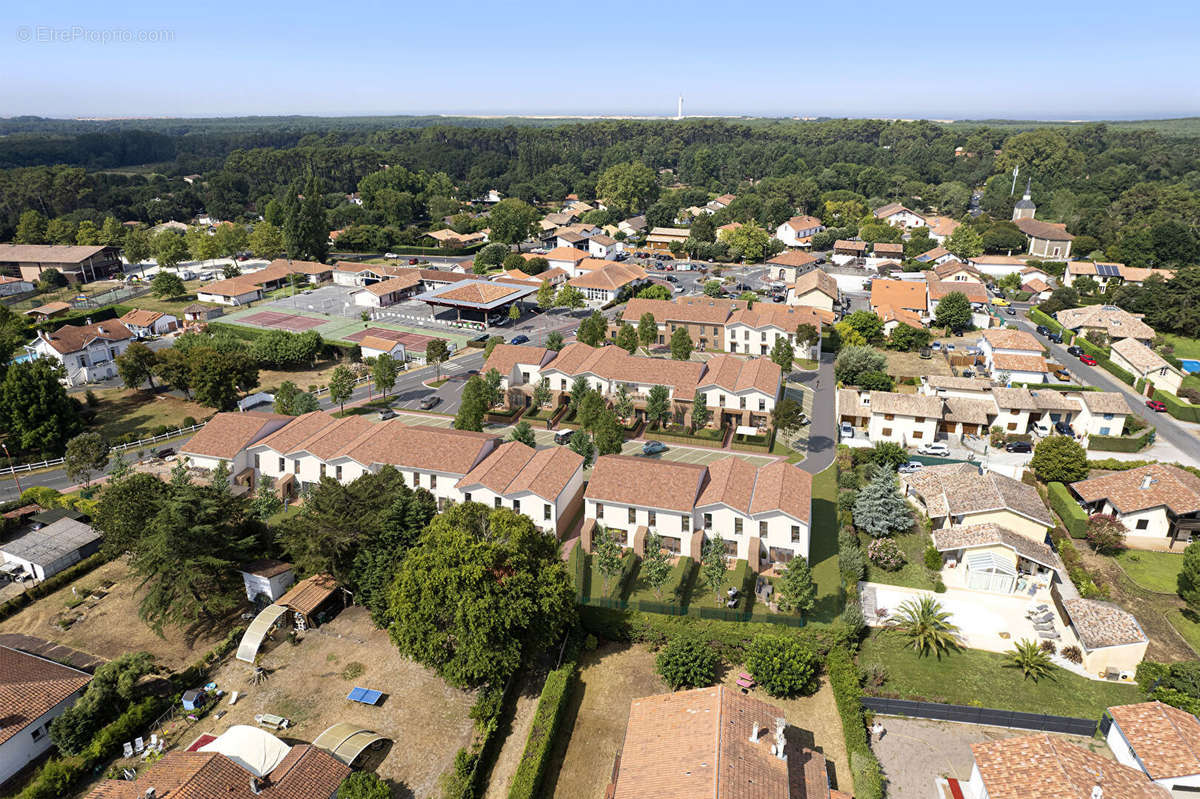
point(518, 365)
point(790, 265)
point(1038, 289)
point(1047, 239)
point(938, 255)
point(77, 263)
point(799, 230)
point(954, 271)
point(1112, 640)
point(543, 484)
point(225, 439)
point(241, 290)
point(564, 258)
point(704, 318)
point(661, 238)
point(714, 743)
point(815, 289)
point(1014, 352)
point(144, 323)
point(1136, 358)
point(602, 246)
point(45, 551)
point(949, 386)
point(989, 557)
point(900, 295)
point(761, 513)
point(741, 392)
point(975, 293)
point(14, 285)
point(1114, 322)
point(754, 330)
point(1044, 765)
point(897, 215)
point(997, 266)
point(907, 419)
point(846, 251)
point(565, 237)
point(1103, 413)
point(961, 495)
point(374, 346)
point(385, 293)
point(34, 692)
point(940, 227)
point(633, 226)
point(1161, 741)
point(883, 252)
point(1156, 501)
point(892, 317)
point(88, 353)
point(603, 286)
point(197, 312)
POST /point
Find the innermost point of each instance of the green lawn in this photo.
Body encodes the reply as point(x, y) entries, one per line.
point(822, 547)
point(974, 677)
point(121, 411)
point(1188, 626)
point(1184, 347)
point(913, 573)
point(1154, 571)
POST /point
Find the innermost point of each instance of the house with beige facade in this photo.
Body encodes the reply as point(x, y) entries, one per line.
point(790, 265)
point(703, 317)
point(815, 289)
point(963, 495)
point(1157, 501)
point(993, 559)
point(1114, 322)
point(1161, 741)
point(1140, 361)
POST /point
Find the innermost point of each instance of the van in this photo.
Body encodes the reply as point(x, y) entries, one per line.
point(563, 436)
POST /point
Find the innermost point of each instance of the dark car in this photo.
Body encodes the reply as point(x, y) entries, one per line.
point(1155, 405)
point(563, 436)
point(412, 261)
point(672, 279)
point(1042, 330)
point(429, 402)
point(1018, 446)
point(1062, 428)
point(1076, 351)
point(1011, 311)
point(521, 339)
point(1055, 337)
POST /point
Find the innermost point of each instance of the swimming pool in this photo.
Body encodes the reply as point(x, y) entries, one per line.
point(1190, 366)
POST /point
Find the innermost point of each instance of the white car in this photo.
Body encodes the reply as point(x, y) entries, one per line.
point(910, 467)
point(847, 430)
point(935, 448)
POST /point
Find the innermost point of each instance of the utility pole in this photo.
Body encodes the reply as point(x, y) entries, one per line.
point(1013, 190)
point(11, 469)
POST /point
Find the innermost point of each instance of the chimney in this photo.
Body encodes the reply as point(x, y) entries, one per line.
point(754, 734)
point(255, 786)
point(101, 329)
point(780, 740)
point(88, 321)
point(150, 793)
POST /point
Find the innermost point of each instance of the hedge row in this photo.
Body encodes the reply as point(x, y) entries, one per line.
point(1064, 504)
point(1101, 354)
point(1121, 443)
point(846, 681)
point(64, 577)
point(342, 349)
point(1180, 409)
point(1040, 317)
point(1114, 465)
point(556, 692)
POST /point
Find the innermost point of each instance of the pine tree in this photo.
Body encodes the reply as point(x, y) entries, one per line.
point(879, 508)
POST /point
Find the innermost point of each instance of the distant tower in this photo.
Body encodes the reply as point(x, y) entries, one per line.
point(679, 113)
point(1024, 207)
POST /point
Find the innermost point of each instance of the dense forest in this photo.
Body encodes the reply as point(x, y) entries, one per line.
point(1133, 193)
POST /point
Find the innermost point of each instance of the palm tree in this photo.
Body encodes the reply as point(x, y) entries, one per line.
point(927, 626)
point(1030, 659)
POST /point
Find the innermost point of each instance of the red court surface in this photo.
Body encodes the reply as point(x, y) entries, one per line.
point(283, 321)
point(411, 341)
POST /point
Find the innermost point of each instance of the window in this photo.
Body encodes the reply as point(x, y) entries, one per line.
point(746, 334)
point(599, 511)
point(296, 467)
point(762, 337)
point(707, 521)
point(632, 516)
point(722, 402)
point(1108, 416)
point(282, 466)
point(432, 481)
point(466, 496)
point(762, 529)
point(685, 523)
point(546, 513)
point(737, 526)
point(795, 533)
point(762, 404)
point(918, 434)
point(39, 733)
point(516, 506)
point(322, 470)
point(524, 377)
point(496, 502)
point(716, 331)
point(1104, 430)
point(887, 431)
point(731, 548)
point(1142, 524)
point(888, 417)
point(338, 473)
point(742, 403)
point(651, 518)
point(1012, 425)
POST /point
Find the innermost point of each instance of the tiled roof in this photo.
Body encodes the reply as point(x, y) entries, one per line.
point(1009, 339)
point(762, 315)
point(938, 289)
point(890, 313)
point(1020, 399)
point(888, 248)
point(969, 411)
point(953, 267)
point(613, 363)
point(48, 253)
point(1165, 739)
point(478, 292)
point(514, 468)
point(735, 374)
point(232, 286)
point(1117, 322)
point(798, 223)
point(506, 356)
point(908, 294)
point(730, 482)
point(998, 260)
point(941, 225)
point(30, 686)
point(892, 208)
point(959, 489)
point(1139, 356)
point(565, 254)
point(611, 277)
point(49, 309)
point(435, 449)
point(73, 338)
point(377, 343)
point(846, 244)
point(794, 258)
point(265, 567)
point(1047, 399)
point(1046, 767)
point(308, 594)
point(1014, 362)
point(227, 434)
point(1100, 624)
point(646, 482)
point(906, 404)
point(287, 439)
point(1105, 402)
point(141, 317)
point(1035, 228)
point(1164, 486)
point(592, 264)
point(409, 279)
point(691, 310)
point(783, 486)
point(961, 383)
point(696, 745)
point(982, 535)
point(816, 280)
point(934, 254)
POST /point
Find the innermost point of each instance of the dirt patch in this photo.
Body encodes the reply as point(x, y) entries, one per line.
point(108, 626)
point(528, 692)
point(910, 364)
point(425, 720)
point(594, 726)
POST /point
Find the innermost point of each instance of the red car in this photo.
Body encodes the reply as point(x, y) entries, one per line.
point(1155, 405)
point(1089, 360)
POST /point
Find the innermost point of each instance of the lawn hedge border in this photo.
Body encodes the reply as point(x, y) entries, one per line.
point(845, 679)
point(1120, 443)
point(551, 707)
point(1064, 504)
point(1184, 411)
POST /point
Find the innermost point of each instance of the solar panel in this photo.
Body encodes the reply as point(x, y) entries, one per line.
point(1107, 270)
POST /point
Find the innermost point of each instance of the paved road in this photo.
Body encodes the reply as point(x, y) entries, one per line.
point(1179, 435)
point(822, 446)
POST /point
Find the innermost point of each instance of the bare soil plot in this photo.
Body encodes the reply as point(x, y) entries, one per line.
point(109, 626)
point(910, 364)
point(425, 720)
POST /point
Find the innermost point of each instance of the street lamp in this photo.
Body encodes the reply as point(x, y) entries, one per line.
point(10, 467)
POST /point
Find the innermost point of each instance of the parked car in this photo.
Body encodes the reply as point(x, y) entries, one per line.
point(1074, 350)
point(967, 373)
point(1089, 360)
point(1042, 330)
point(1155, 405)
point(1000, 301)
point(519, 339)
point(386, 413)
point(563, 436)
point(936, 346)
point(847, 430)
point(671, 279)
point(1041, 428)
point(430, 401)
point(653, 447)
point(1055, 337)
point(910, 467)
point(935, 448)
point(1062, 428)
point(412, 262)
point(1018, 446)
point(391, 255)
point(1010, 311)
point(1063, 375)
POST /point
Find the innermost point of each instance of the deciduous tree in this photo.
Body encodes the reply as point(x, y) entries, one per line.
point(86, 454)
point(136, 366)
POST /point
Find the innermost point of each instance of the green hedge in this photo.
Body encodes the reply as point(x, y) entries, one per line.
point(1101, 355)
point(1040, 317)
point(684, 437)
point(846, 681)
point(1178, 408)
point(556, 693)
point(64, 577)
point(1121, 443)
point(1063, 503)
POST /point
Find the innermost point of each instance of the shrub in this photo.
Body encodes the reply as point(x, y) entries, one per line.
point(363, 785)
point(1072, 653)
point(1048, 647)
point(1105, 534)
point(886, 554)
point(846, 500)
point(1064, 504)
point(1059, 459)
point(556, 692)
point(933, 558)
point(687, 662)
point(784, 665)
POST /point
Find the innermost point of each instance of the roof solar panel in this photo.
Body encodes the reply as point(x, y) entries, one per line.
point(1107, 270)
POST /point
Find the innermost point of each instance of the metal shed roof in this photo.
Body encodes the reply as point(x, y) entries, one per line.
point(52, 542)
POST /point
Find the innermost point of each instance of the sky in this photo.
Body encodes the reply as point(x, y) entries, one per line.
point(1057, 59)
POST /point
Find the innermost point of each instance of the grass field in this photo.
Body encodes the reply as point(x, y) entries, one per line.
point(336, 328)
point(1184, 347)
point(1188, 626)
point(822, 547)
point(975, 677)
point(913, 573)
point(910, 364)
point(172, 305)
point(1154, 571)
point(123, 410)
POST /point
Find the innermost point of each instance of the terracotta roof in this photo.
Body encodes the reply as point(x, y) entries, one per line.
point(1139, 356)
point(565, 254)
point(435, 449)
point(1014, 398)
point(49, 309)
point(227, 434)
point(959, 489)
point(287, 439)
point(505, 356)
point(961, 383)
point(816, 280)
point(890, 313)
point(907, 294)
point(1165, 739)
point(691, 310)
point(31, 686)
point(782, 486)
point(515, 468)
point(478, 292)
point(941, 225)
point(998, 260)
point(1009, 339)
point(969, 411)
point(696, 745)
point(140, 317)
point(308, 594)
point(892, 208)
point(1035, 228)
point(377, 343)
point(48, 253)
point(408, 280)
point(783, 317)
point(1048, 399)
point(603, 240)
point(1117, 322)
point(1035, 286)
point(906, 404)
point(794, 258)
point(1136, 274)
point(1011, 362)
point(798, 223)
point(1151, 486)
point(730, 482)
point(934, 254)
point(888, 248)
point(725, 199)
point(1046, 767)
point(846, 244)
point(982, 535)
point(938, 289)
point(646, 482)
point(232, 286)
point(1105, 402)
point(73, 338)
point(735, 374)
point(611, 277)
point(613, 363)
point(1100, 624)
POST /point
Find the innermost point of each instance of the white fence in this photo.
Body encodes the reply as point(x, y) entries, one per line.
point(29, 467)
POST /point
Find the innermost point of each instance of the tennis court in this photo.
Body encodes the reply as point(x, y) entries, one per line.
point(283, 321)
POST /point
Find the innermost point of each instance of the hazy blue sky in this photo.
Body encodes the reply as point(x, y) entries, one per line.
point(1059, 59)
